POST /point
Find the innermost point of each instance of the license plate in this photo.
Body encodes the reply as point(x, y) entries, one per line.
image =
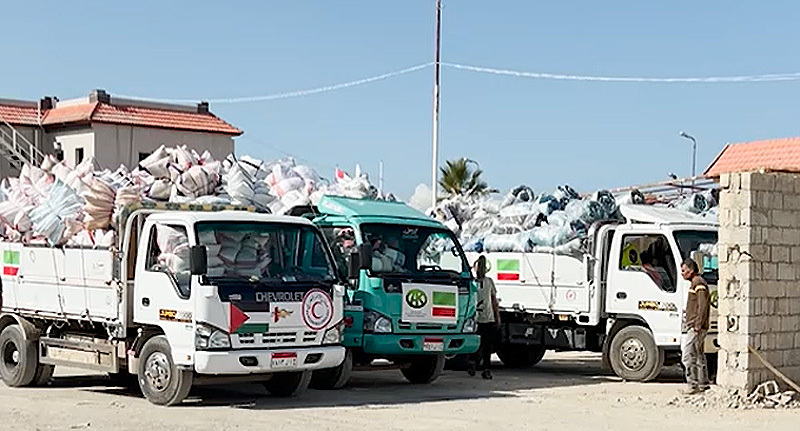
point(284, 360)
point(433, 345)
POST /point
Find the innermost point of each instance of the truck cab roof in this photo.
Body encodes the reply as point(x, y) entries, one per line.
point(235, 216)
point(373, 211)
point(661, 215)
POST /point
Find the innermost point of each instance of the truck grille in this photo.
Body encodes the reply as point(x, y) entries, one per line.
point(277, 338)
point(426, 327)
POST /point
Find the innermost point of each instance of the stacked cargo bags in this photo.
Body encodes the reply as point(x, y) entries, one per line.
point(551, 222)
point(60, 205)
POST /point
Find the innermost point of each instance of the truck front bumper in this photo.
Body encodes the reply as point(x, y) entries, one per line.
point(261, 361)
point(413, 344)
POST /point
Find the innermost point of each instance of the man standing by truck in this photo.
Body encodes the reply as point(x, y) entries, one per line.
point(488, 318)
point(695, 329)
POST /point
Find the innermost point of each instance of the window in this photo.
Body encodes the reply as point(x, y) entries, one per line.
point(264, 252)
point(169, 253)
point(342, 241)
point(690, 241)
point(414, 250)
point(78, 155)
point(652, 255)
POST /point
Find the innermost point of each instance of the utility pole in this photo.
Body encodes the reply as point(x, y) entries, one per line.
point(435, 166)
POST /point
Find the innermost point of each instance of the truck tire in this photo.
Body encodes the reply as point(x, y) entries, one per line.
point(43, 374)
point(161, 382)
point(520, 355)
point(288, 384)
point(634, 355)
point(18, 358)
point(334, 378)
point(424, 369)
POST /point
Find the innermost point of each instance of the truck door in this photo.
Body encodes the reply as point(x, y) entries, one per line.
point(643, 280)
point(342, 240)
point(162, 287)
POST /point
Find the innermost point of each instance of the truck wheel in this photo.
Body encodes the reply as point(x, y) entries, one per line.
point(634, 354)
point(520, 355)
point(334, 378)
point(18, 361)
point(288, 384)
point(43, 374)
point(424, 369)
point(161, 382)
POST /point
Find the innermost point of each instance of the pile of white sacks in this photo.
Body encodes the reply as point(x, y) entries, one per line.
point(550, 222)
point(59, 205)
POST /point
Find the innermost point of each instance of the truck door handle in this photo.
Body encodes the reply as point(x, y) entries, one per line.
point(622, 295)
point(146, 302)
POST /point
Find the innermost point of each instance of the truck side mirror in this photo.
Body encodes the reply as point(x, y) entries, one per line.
point(353, 266)
point(364, 256)
point(198, 258)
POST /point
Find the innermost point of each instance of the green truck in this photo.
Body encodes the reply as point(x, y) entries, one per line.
point(411, 297)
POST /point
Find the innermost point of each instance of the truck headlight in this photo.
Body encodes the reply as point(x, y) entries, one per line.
point(470, 326)
point(377, 323)
point(334, 335)
point(207, 337)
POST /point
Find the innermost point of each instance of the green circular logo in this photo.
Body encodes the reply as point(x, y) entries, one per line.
point(416, 298)
point(714, 299)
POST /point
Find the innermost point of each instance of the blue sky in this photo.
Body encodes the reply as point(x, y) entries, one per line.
point(538, 132)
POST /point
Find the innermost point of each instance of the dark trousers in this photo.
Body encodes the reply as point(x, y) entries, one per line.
point(488, 332)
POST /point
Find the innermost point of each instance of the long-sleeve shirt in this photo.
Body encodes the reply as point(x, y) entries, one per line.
point(697, 305)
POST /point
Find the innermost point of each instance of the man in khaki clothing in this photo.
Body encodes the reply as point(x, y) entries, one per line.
point(695, 329)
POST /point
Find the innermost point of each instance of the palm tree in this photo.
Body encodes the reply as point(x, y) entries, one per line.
point(459, 178)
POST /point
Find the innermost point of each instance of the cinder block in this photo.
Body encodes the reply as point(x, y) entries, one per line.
point(783, 218)
point(791, 202)
point(730, 378)
point(786, 272)
point(769, 271)
point(795, 254)
point(791, 358)
point(785, 341)
point(759, 181)
point(778, 253)
point(797, 340)
point(790, 324)
point(724, 182)
point(794, 305)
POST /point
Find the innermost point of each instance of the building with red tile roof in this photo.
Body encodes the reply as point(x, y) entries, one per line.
point(112, 130)
point(777, 155)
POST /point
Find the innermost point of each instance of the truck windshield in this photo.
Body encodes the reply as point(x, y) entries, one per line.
point(263, 252)
point(690, 241)
point(414, 250)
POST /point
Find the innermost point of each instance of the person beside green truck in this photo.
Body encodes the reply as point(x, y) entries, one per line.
point(411, 297)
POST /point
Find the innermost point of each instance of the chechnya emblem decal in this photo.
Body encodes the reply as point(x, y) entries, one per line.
point(416, 298)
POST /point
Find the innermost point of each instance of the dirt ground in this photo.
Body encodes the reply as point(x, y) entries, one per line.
point(566, 391)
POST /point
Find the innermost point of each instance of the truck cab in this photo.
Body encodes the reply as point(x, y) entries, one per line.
point(185, 297)
point(622, 295)
point(411, 296)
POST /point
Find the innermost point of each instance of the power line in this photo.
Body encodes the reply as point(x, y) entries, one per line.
point(700, 80)
point(292, 94)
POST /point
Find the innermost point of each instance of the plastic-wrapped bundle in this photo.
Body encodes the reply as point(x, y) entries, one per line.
point(518, 194)
point(157, 163)
point(174, 247)
point(696, 203)
point(56, 217)
point(519, 242)
point(99, 206)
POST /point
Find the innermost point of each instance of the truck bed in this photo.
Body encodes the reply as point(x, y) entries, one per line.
point(66, 283)
point(538, 282)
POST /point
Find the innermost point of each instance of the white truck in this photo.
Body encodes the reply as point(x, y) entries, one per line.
point(624, 297)
point(187, 295)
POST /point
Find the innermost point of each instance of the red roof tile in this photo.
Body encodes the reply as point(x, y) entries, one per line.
point(69, 114)
point(772, 155)
point(19, 115)
point(151, 117)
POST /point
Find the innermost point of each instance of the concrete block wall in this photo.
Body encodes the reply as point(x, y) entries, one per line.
point(759, 287)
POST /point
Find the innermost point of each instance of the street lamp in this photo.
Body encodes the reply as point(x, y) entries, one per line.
point(683, 134)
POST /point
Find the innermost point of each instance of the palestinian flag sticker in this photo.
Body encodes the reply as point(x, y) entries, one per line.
point(444, 304)
point(10, 263)
point(507, 269)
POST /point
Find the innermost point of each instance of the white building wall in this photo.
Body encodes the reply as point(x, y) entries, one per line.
point(74, 139)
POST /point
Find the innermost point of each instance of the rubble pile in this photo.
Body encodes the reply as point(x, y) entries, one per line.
point(550, 222)
point(56, 204)
point(765, 396)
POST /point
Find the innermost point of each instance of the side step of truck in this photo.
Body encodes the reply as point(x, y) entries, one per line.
point(89, 353)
